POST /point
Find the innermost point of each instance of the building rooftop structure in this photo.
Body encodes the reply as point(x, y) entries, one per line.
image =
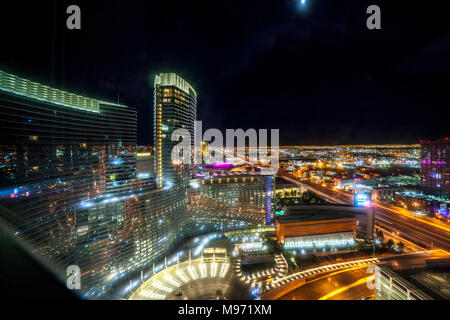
point(364, 217)
point(420, 195)
point(419, 279)
point(323, 209)
point(13, 84)
point(312, 216)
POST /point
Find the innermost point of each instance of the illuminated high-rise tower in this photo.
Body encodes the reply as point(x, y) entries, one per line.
point(435, 168)
point(175, 107)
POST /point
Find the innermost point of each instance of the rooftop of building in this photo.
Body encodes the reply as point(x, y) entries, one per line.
point(420, 195)
point(305, 213)
point(436, 282)
point(227, 174)
point(234, 173)
point(172, 79)
point(314, 212)
point(328, 207)
point(25, 88)
point(429, 275)
point(311, 216)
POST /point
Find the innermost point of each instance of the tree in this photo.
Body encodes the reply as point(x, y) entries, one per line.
point(390, 243)
point(277, 204)
point(400, 246)
point(380, 235)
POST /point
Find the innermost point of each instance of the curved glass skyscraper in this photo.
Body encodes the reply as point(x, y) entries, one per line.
point(175, 107)
point(70, 190)
point(67, 176)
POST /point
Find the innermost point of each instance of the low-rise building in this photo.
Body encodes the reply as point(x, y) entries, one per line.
point(425, 280)
point(323, 226)
point(424, 203)
point(384, 193)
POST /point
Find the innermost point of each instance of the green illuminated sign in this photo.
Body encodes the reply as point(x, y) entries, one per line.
point(34, 90)
point(172, 79)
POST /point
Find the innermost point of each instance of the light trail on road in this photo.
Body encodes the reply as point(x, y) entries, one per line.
point(427, 233)
point(354, 284)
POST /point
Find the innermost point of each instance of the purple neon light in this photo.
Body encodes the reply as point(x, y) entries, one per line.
point(429, 162)
point(222, 165)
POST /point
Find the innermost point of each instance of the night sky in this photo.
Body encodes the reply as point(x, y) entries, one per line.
point(314, 72)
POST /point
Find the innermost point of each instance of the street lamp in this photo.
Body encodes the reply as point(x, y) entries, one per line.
point(415, 204)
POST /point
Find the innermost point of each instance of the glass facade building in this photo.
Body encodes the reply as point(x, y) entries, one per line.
point(67, 176)
point(227, 202)
point(434, 178)
point(435, 168)
point(389, 285)
point(175, 108)
point(75, 187)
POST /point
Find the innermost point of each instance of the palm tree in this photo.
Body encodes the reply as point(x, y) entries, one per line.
point(390, 243)
point(380, 235)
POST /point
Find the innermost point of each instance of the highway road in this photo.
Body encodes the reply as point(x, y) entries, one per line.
point(409, 246)
point(347, 284)
point(423, 231)
point(351, 283)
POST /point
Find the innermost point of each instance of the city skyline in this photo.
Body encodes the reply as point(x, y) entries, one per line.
point(136, 163)
point(305, 62)
point(152, 209)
